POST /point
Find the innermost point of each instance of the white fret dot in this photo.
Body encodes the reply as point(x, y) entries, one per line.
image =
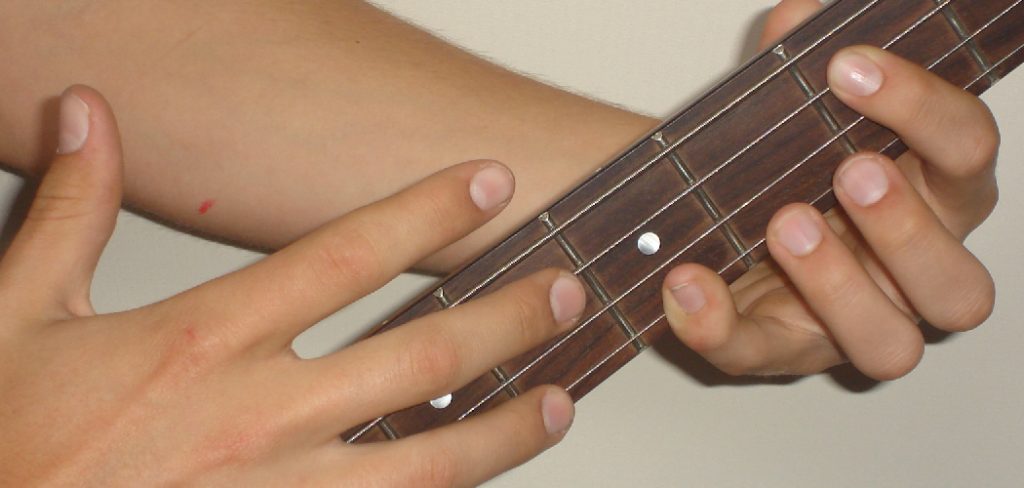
point(441, 402)
point(649, 243)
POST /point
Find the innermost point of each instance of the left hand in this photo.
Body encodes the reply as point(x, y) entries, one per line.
point(852, 284)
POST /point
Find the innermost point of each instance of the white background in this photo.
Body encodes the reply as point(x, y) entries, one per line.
point(956, 421)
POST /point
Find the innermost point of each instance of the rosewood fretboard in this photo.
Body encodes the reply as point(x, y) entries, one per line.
point(706, 184)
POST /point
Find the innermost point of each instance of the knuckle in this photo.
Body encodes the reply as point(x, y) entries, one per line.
point(190, 351)
point(706, 339)
point(51, 206)
point(433, 362)
point(982, 144)
point(919, 106)
point(437, 212)
point(523, 318)
point(896, 360)
point(911, 236)
point(351, 257)
point(836, 287)
point(435, 470)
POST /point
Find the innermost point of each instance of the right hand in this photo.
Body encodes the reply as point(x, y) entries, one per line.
point(203, 388)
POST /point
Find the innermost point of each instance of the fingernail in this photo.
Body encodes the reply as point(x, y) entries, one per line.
point(567, 299)
point(690, 297)
point(856, 74)
point(864, 180)
point(799, 234)
point(74, 124)
point(491, 187)
point(557, 410)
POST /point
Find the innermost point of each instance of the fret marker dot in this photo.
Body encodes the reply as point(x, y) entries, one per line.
point(441, 402)
point(649, 243)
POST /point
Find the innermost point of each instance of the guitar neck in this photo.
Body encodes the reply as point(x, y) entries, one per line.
point(702, 189)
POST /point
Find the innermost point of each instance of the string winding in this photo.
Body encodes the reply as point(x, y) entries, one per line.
point(731, 215)
point(698, 184)
point(761, 242)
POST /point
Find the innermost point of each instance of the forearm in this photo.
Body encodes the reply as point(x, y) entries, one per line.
point(284, 115)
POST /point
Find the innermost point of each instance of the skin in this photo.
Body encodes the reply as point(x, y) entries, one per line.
point(786, 317)
point(183, 370)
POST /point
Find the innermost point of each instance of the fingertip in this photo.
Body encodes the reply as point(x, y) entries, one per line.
point(698, 307)
point(88, 125)
point(492, 186)
point(683, 284)
point(567, 298)
point(896, 363)
point(855, 72)
point(557, 411)
point(863, 180)
point(74, 123)
point(796, 230)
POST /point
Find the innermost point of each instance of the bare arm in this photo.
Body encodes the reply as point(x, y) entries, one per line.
point(258, 121)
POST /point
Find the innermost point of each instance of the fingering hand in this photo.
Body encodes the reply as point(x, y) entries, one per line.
point(203, 388)
point(852, 284)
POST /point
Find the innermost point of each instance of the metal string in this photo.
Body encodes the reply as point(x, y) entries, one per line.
point(696, 185)
point(664, 152)
point(731, 215)
point(761, 242)
point(553, 232)
point(699, 183)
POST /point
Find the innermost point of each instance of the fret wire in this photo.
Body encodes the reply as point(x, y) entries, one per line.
point(776, 127)
point(725, 220)
point(654, 322)
point(761, 242)
point(672, 147)
point(662, 266)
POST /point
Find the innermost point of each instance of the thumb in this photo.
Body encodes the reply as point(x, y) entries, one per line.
point(54, 255)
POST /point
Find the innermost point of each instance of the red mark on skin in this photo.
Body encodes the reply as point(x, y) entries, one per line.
point(206, 206)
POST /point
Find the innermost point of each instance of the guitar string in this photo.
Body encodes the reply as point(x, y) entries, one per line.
point(735, 102)
point(761, 242)
point(661, 317)
point(715, 227)
point(658, 157)
point(792, 115)
point(664, 152)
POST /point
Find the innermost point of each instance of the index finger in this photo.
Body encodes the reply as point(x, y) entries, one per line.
point(352, 256)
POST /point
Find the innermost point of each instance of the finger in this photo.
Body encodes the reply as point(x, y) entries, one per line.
point(285, 293)
point(950, 128)
point(700, 309)
point(784, 17)
point(946, 284)
point(477, 449)
point(439, 353)
point(879, 339)
point(54, 255)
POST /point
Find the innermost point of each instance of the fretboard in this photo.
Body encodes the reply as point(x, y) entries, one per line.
point(702, 188)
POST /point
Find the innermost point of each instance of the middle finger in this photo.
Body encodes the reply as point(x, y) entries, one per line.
point(439, 353)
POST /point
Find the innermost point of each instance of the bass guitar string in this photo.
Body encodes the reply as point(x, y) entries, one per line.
point(761, 242)
point(725, 220)
point(636, 173)
point(792, 115)
point(661, 317)
point(667, 150)
point(536, 245)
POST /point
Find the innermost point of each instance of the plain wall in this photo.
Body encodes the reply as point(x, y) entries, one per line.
point(955, 421)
